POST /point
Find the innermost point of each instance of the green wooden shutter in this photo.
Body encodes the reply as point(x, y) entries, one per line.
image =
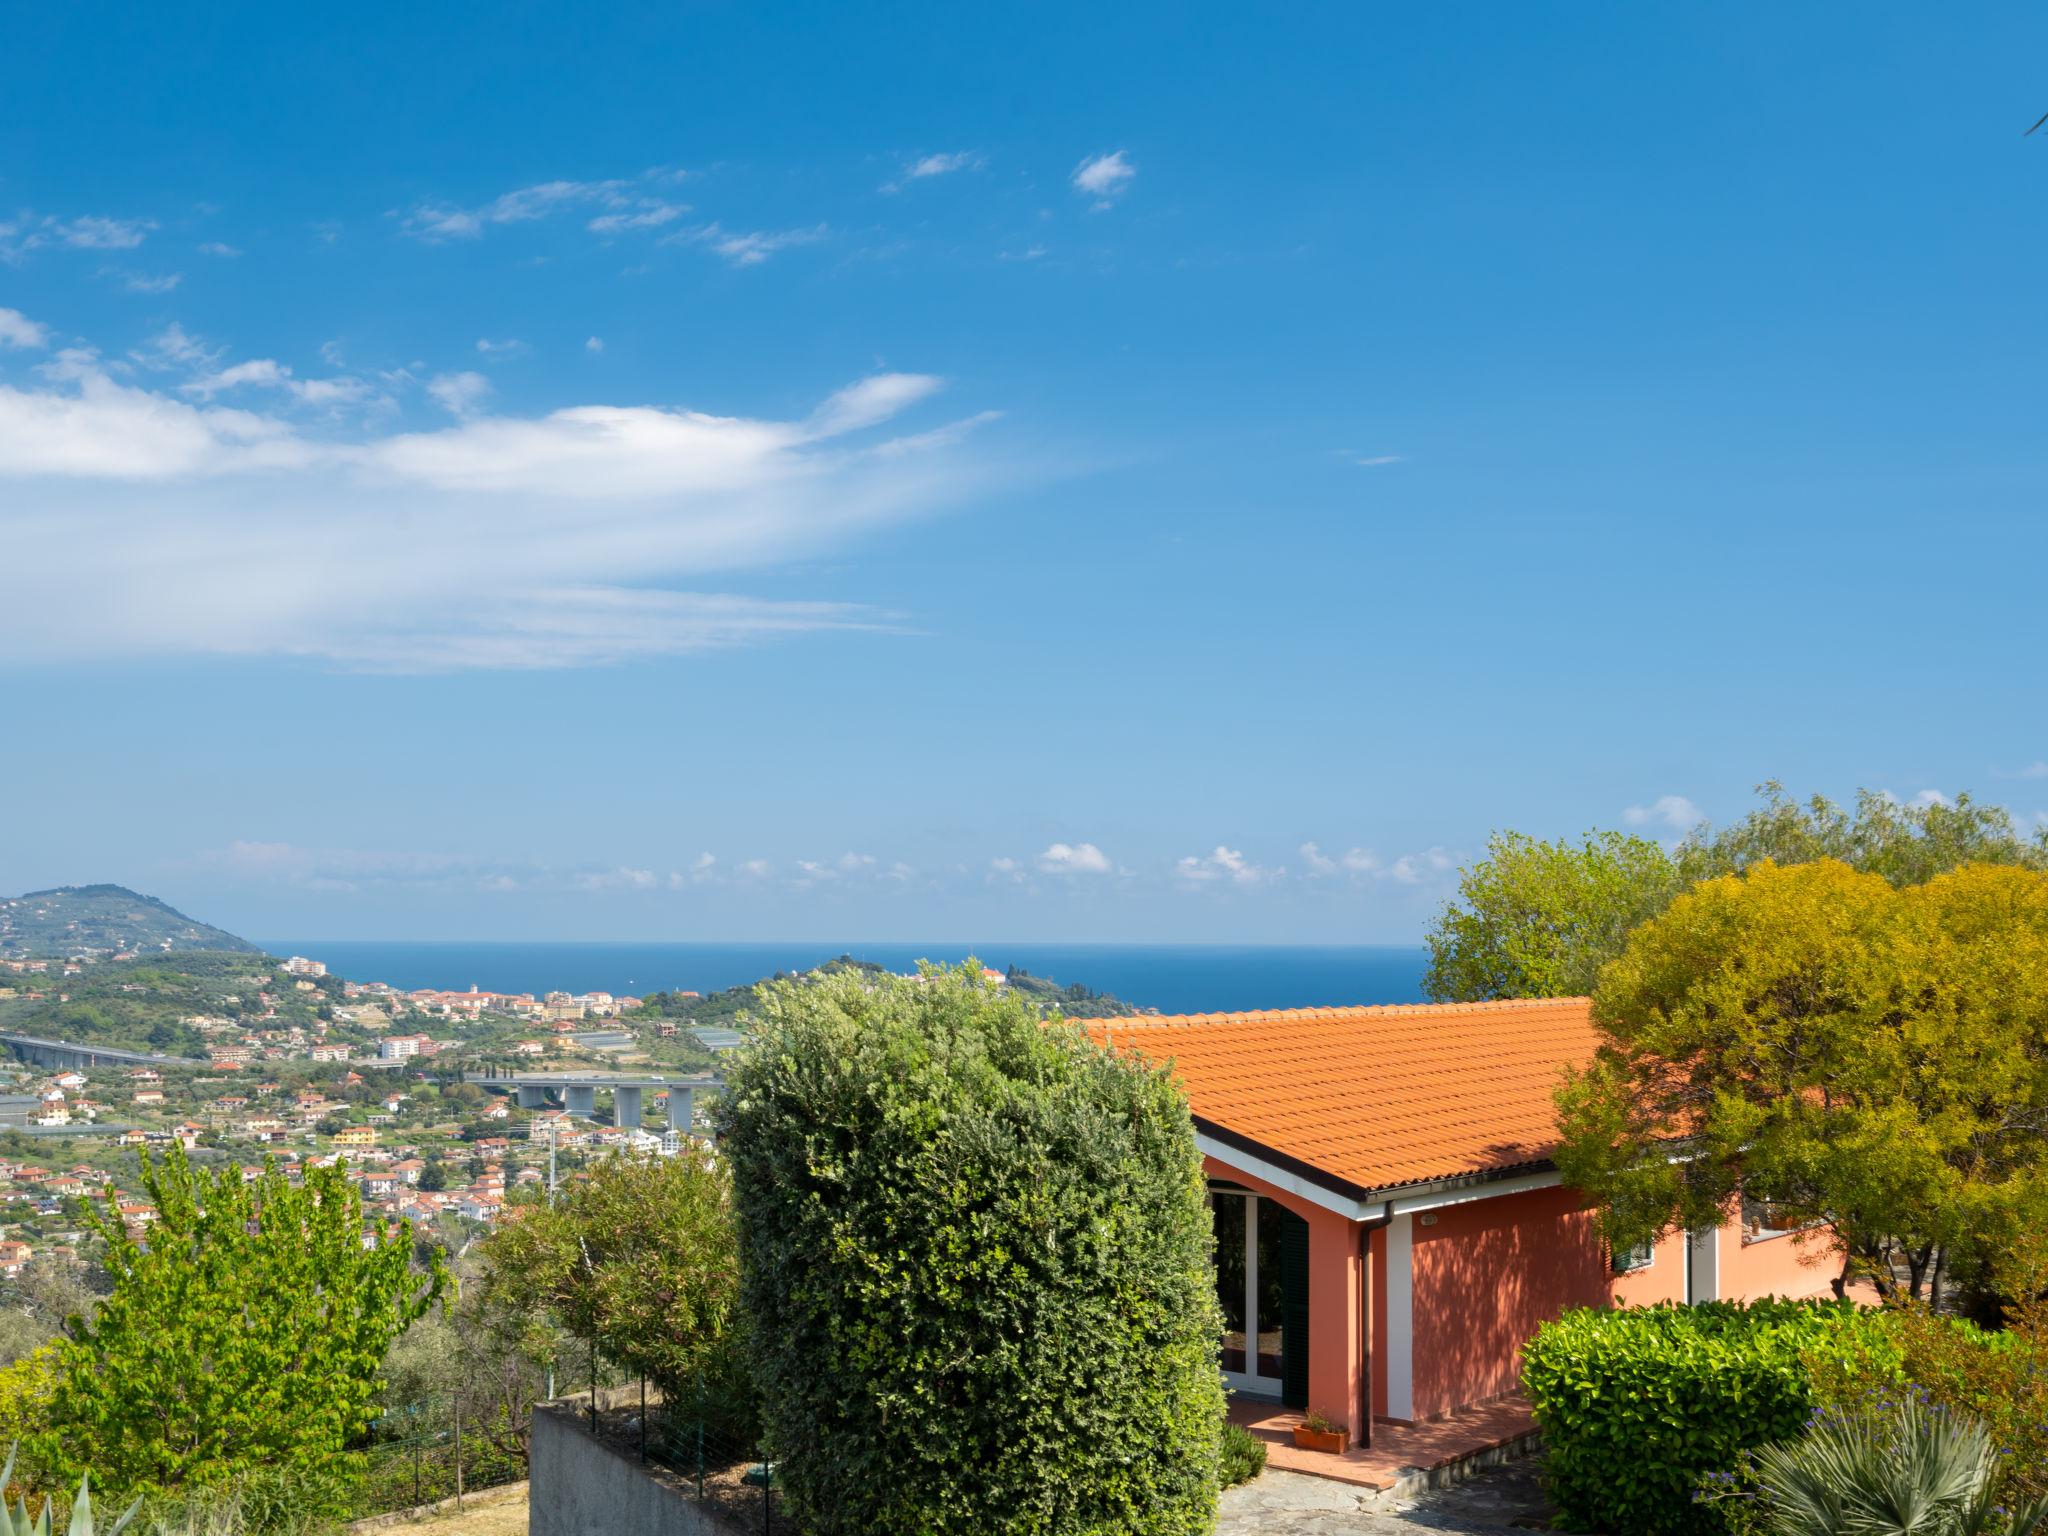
point(1293, 1311)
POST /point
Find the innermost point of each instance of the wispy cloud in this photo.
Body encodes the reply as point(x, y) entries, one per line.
point(150, 282)
point(751, 248)
point(218, 248)
point(1225, 865)
point(1673, 812)
point(643, 213)
point(510, 346)
point(1104, 177)
point(927, 166)
point(27, 232)
point(202, 516)
point(614, 206)
point(1355, 861)
point(2038, 769)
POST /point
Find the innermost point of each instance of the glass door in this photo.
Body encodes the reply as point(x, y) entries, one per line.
point(1248, 1287)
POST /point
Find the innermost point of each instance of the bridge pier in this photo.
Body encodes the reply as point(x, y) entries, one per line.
point(532, 1098)
point(626, 1107)
point(580, 1099)
point(682, 1108)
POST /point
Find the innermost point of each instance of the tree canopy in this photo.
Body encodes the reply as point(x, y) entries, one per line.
point(1835, 1049)
point(249, 1331)
point(1539, 919)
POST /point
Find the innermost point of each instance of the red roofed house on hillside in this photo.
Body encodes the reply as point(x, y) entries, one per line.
point(1387, 1214)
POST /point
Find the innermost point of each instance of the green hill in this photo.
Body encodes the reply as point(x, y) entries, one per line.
point(101, 920)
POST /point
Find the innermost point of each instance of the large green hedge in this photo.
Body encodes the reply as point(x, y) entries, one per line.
point(975, 1256)
point(1636, 1404)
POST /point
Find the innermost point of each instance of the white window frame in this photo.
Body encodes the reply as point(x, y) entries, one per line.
point(1248, 1382)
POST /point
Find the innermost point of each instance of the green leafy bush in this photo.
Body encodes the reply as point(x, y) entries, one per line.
point(975, 1255)
point(1999, 1379)
point(1637, 1405)
point(1241, 1457)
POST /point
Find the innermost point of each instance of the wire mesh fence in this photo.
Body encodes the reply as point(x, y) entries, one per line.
point(709, 1447)
point(422, 1452)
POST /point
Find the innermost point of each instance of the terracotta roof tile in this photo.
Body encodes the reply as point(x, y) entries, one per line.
point(1380, 1097)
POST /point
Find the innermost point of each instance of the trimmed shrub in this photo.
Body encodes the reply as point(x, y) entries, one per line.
point(975, 1261)
point(1241, 1456)
point(1637, 1405)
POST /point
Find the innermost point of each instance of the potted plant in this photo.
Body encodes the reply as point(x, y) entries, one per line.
point(1316, 1433)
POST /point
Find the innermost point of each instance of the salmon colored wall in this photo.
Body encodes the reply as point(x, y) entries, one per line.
point(1776, 1266)
point(1335, 1342)
point(1486, 1274)
point(1662, 1280)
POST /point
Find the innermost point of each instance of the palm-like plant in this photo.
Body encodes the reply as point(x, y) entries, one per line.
point(17, 1522)
point(1894, 1468)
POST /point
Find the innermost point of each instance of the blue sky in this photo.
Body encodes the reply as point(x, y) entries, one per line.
point(1080, 473)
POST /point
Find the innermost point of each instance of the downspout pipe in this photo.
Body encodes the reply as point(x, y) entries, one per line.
point(1366, 1229)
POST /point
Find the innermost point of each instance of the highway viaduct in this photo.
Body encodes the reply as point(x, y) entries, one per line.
point(578, 1091)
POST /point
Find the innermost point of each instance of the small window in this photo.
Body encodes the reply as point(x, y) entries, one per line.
point(1764, 1218)
point(1629, 1260)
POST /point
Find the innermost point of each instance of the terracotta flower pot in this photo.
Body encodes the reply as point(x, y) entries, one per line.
point(1331, 1441)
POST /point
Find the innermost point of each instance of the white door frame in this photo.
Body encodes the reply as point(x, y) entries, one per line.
point(1248, 1381)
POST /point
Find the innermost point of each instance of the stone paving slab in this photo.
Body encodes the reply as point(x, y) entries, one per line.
point(1491, 1503)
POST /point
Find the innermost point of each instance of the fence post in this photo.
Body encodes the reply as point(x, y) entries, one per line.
point(458, 1453)
point(416, 1500)
point(643, 1418)
point(593, 1386)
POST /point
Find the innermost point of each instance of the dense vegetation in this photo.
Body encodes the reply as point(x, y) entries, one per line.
point(1539, 919)
point(1791, 1417)
point(103, 920)
point(975, 1255)
point(1841, 1050)
point(1637, 1406)
point(250, 1332)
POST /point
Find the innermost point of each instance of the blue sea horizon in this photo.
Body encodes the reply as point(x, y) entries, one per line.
point(1172, 978)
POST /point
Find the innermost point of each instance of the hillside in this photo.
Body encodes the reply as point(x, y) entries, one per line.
point(102, 920)
point(724, 1010)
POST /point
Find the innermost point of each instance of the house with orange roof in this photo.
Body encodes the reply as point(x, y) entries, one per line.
point(1390, 1224)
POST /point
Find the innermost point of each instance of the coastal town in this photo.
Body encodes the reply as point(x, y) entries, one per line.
point(304, 1069)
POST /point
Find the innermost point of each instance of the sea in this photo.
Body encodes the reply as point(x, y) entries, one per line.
point(1169, 978)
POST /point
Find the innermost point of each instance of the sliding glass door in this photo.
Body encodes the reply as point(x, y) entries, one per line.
point(1262, 1285)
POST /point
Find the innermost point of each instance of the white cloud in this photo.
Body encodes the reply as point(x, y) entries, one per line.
point(17, 330)
point(1376, 460)
point(511, 346)
point(1671, 811)
point(218, 248)
point(1224, 864)
point(97, 234)
point(928, 166)
point(436, 222)
point(1074, 859)
point(647, 213)
point(459, 394)
point(1929, 797)
point(168, 520)
point(757, 869)
point(1355, 861)
point(753, 248)
point(622, 878)
point(1416, 868)
point(870, 402)
point(593, 344)
point(1104, 177)
point(144, 282)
